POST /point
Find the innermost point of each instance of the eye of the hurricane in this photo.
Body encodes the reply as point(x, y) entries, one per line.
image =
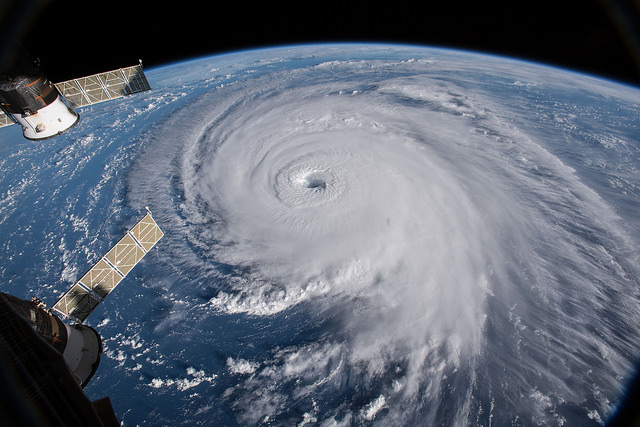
point(309, 185)
point(315, 181)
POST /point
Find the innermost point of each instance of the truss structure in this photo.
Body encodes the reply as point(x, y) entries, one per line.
point(92, 288)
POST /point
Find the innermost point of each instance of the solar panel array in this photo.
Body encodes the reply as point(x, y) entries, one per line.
point(104, 86)
point(92, 288)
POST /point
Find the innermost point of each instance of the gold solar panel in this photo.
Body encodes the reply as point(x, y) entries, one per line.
point(125, 254)
point(77, 303)
point(94, 286)
point(146, 232)
point(101, 279)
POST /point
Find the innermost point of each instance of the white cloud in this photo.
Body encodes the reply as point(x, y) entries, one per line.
point(241, 366)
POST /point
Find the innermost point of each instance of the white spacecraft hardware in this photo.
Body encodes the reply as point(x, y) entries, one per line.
point(45, 110)
point(81, 345)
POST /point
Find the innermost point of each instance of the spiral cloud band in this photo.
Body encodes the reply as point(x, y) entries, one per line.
point(458, 264)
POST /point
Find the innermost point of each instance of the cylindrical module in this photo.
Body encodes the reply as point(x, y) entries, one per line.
point(79, 345)
point(82, 352)
point(27, 96)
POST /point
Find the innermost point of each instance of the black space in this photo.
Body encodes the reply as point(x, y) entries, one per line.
point(77, 38)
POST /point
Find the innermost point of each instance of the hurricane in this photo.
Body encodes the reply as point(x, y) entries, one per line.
point(437, 237)
point(401, 239)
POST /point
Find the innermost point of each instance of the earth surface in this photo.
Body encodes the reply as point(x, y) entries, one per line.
point(354, 235)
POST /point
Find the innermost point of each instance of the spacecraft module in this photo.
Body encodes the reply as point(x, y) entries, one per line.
point(45, 110)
